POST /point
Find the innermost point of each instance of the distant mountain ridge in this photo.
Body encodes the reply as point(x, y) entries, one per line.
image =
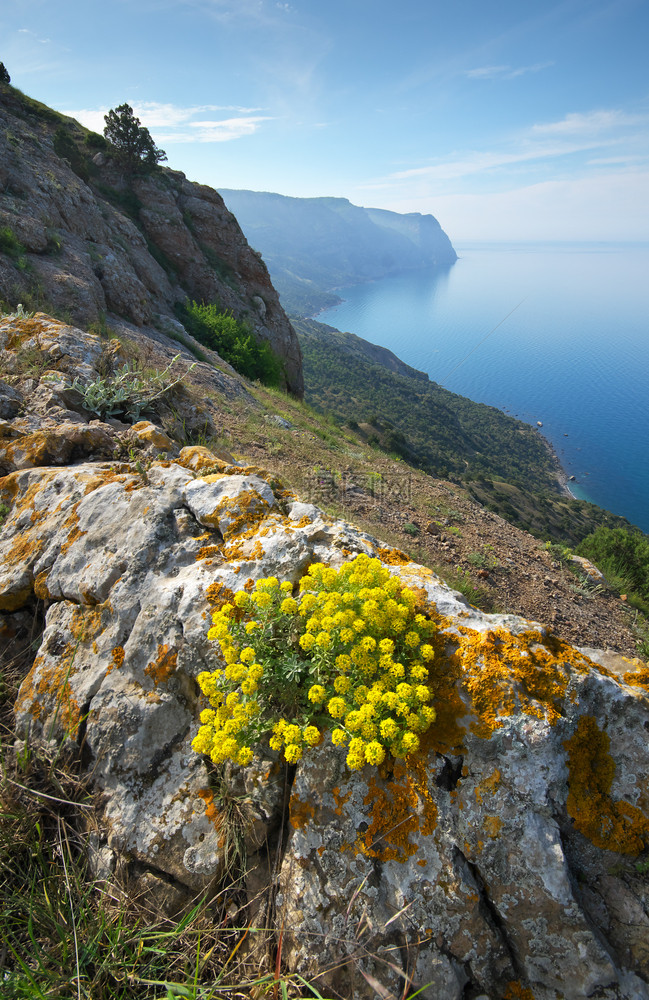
point(314, 245)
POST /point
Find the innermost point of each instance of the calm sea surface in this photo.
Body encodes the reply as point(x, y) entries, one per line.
point(551, 333)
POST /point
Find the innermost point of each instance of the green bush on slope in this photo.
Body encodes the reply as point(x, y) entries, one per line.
point(233, 340)
point(623, 558)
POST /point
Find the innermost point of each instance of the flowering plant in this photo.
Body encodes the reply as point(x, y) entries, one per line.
point(349, 654)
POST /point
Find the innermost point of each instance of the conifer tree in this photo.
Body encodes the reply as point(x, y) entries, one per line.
point(132, 144)
point(4, 75)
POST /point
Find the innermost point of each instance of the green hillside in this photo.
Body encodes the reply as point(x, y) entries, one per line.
point(503, 463)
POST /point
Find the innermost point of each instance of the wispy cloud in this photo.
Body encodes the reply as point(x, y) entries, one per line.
point(172, 123)
point(591, 123)
point(574, 134)
point(32, 34)
point(505, 72)
point(216, 131)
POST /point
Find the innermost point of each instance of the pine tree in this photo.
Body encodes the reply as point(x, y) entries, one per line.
point(132, 144)
point(4, 75)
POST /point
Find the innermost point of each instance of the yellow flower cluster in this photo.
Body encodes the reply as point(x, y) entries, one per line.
point(349, 650)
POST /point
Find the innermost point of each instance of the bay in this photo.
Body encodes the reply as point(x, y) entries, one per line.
point(556, 333)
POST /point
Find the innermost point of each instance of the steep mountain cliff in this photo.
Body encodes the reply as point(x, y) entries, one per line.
point(313, 245)
point(78, 237)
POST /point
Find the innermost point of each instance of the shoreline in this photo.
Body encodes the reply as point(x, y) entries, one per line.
point(560, 472)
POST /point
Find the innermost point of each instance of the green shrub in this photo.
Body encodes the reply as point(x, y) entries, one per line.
point(10, 244)
point(66, 147)
point(233, 340)
point(623, 558)
point(128, 392)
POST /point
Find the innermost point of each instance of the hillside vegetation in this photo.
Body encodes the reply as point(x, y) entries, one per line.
point(503, 463)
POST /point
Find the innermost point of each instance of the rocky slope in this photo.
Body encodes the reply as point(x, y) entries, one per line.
point(89, 244)
point(498, 861)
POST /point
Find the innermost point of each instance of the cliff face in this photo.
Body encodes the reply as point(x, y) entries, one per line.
point(87, 243)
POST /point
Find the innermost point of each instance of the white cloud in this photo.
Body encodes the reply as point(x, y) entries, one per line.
point(591, 123)
point(477, 162)
point(505, 72)
point(179, 123)
point(552, 141)
point(216, 131)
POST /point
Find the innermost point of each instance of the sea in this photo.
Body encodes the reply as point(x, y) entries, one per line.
point(554, 334)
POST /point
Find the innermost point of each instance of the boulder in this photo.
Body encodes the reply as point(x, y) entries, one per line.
point(499, 860)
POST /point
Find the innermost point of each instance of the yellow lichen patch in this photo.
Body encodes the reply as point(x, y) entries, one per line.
point(117, 658)
point(613, 826)
point(301, 813)
point(164, 665)
point(40, 586)
point(340, 800)
point(233, 552)
point(51, 687)
point(243, 512)
point(487, 787)
point(492, 825)
point(197, 457)
point(257, 551)
point(15, 597)
point(217, 595)
point(399, 807)
point(505, 673)
point(639, 676)
point(515, 991)
point(393, 557)
point(87, 622)
point(208, 552)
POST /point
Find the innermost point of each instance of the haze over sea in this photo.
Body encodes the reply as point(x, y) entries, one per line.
point(557, 333)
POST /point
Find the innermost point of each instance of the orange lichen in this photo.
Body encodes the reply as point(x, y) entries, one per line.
point(40, 586)
point(50, 685)
point(393, 557)
point(487, 787)
point(492, 826)
point(516, 991)
point(340, 800)
point(208, 551)
point(638, 677)
point(117, 657)
point(164, 665)
point(217, 595)
point(301, 813)
point(505, 673)
point(257, 551)
point(613, 826)
point(233, 514)
point(211, 809)
point(399, 807)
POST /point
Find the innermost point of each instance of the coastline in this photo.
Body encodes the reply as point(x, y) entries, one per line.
point(559, 471)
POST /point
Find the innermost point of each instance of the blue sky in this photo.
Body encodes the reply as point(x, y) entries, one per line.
point(506, 120)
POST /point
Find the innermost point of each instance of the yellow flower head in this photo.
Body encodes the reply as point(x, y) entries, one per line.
point(336, 707)
point(317, 694)
point(293, 753)
point(311, 736)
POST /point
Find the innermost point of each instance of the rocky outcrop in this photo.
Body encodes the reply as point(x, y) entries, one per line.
point(498, 861)
point(93, 245)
